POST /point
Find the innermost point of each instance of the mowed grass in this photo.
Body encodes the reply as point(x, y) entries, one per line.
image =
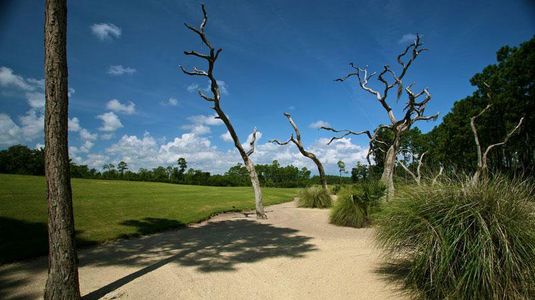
point(109, 209)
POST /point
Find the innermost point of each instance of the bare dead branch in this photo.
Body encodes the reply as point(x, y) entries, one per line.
point(418, 176)
point(299, 144)
point(504, 141)
point(438, 175)
point(252, 143)
point(215, 98)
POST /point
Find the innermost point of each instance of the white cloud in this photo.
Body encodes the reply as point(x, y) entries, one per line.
point(170, 102)
point(10, 133)
point(200, 123)
point(407, 38)
point(223, 87)
point(10, 79)
point(210, 120)
point(120, 70)
point(106, 31)
point(192, 87)
point(226, 137)
point(74, 124)
point(36, 99)
point(318, 124)
point(116, 106)
point(32, 125)
point(110, 122)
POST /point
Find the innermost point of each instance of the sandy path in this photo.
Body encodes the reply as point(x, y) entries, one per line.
point(295, 254)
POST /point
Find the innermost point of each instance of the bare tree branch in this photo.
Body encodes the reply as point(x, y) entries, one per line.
point(299, 144)
point(438, 175)
point(252, 143)
point(215, 98)
point(345, 132)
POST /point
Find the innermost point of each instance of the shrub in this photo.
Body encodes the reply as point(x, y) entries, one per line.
point(458, 241)
point(314, 197)
point(355, 203)
point(336, 189)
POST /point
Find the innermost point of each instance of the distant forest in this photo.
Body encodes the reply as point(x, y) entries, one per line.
point(509, 83)
point(20, 159)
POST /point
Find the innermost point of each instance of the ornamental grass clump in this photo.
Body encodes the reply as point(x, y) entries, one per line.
point(314, 197)
point(355, 203)
point(462, 240)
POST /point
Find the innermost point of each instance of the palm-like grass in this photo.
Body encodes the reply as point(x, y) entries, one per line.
point(464, 241)
point(354, 203)
point(314, 197)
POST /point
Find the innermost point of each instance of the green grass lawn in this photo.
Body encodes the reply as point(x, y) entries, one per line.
point(109, 209)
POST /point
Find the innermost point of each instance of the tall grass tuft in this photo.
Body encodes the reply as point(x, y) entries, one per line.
point(463, 241)
point(314, 197)
point(354, 204)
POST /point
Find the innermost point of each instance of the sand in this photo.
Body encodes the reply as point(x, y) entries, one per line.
point(295, 254)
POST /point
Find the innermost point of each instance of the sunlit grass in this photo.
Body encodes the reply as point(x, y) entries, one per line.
point(104, 209)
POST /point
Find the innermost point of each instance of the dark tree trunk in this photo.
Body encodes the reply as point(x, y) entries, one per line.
point(62, 282)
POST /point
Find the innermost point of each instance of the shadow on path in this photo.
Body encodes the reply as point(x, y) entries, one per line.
point(215, 247)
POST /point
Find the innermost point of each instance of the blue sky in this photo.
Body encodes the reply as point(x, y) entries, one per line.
point(129, 101)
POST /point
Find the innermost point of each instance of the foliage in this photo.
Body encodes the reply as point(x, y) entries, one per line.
point(20, 159)
point(314, 197)
point(463, 241)
point(512, 87)
point(354, 204)
point(103, 207)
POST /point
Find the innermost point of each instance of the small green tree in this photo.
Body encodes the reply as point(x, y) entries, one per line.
point(122, 166)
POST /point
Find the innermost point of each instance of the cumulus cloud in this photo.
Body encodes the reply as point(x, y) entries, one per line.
point(10, 79)
point(74, 124)
point(110, 122)
point(120, 70)
point(10, 133)
point(116, 106)
point(407, 38)
point(200, 124)
point(106, 31)
point(226, 137)
point(33, 125)
point(318, 124)
point(148, 152)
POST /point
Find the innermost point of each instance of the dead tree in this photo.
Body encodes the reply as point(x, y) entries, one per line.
point(62, 281)
point(215, 99)
point(413, 111)
point(299, 144)
point(437, 176)
point(418, 176)
point(482, 156)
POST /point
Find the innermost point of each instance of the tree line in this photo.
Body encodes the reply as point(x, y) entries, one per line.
point(20, 159)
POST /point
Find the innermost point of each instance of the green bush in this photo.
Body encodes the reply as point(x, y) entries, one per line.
point(355, 203)
point(314, 197)
point(463, 241)
point(336, 189)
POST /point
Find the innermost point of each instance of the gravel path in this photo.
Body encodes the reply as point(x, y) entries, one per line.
point(295, 254)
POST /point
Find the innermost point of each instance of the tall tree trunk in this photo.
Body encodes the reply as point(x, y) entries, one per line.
point(388, 170)
point(321, 172)
point(62, 282)
point(260, 213)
